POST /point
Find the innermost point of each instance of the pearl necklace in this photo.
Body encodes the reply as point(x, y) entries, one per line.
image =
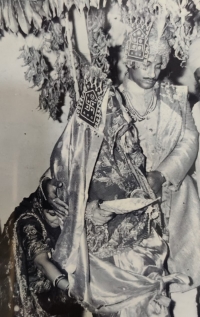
point(133, 112)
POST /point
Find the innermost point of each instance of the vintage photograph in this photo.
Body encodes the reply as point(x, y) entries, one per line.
point(100, 162)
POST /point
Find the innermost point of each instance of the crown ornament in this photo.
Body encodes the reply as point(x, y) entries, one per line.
point(136, 44)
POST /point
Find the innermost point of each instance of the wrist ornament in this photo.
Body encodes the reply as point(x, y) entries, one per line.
point(58, 279)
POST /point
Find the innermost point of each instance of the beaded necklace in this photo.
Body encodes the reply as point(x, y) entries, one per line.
point(133, 112)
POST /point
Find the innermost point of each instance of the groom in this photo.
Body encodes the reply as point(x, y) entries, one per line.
point(169, 141)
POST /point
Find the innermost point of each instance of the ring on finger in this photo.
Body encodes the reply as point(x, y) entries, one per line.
point(54, 199)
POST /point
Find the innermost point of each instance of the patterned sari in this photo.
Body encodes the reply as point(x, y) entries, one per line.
point(24, 289)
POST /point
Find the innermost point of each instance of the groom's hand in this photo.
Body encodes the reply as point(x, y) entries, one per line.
point(50, 187)
point(97, 215)
point(155, 180)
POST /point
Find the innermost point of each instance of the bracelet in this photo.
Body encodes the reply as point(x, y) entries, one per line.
point(58, 279)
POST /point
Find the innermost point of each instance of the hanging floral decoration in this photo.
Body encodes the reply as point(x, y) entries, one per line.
point(54, 90)
point(24, 14)
point(98, 39)
point(36, 18)
point(38, 69)
point(53, 81)
point(54, 65)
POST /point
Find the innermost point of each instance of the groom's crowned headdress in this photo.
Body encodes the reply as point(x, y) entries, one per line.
point(154, 27)
point(148, 35)
point(137, 42)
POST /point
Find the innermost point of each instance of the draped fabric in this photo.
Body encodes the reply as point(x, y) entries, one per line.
point(196, 115)
point(184, 238)
point(129, 278)
point(173, 137)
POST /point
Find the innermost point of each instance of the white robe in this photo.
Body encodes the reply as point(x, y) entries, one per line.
point(169, 140)
point(196, 116)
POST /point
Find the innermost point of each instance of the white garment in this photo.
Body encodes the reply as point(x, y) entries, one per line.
point(185, 304)
point(147, 132)
point(147, 128)
point(196, 116)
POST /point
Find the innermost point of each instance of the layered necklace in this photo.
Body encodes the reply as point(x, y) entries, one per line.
point(133, 112)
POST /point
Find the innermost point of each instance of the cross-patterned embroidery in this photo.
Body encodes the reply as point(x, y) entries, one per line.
point(89, 111)
point(89, 105)
point(137, 45)
point(137, 48)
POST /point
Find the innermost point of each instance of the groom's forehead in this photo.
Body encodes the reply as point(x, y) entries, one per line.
point(152, 58)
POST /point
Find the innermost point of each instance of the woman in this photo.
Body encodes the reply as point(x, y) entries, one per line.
point(32, 284)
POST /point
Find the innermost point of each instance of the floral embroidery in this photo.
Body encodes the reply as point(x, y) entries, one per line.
point(113, 179)
point(30, 230)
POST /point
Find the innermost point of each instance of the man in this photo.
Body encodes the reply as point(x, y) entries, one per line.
point(169, 140)
point(191, 78)
point(167, 146)
point(104, 243)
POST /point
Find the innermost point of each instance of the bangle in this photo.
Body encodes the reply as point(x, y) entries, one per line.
point(58, 279)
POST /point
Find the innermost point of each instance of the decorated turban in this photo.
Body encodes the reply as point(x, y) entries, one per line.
point(143, 41)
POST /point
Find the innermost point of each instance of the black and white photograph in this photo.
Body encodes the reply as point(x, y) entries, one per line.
point(99, 158)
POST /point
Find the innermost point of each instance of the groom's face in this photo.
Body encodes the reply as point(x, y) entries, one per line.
point(146, 76)
point(197, 76)
point(197, 80)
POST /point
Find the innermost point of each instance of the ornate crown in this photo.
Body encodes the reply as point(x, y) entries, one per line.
point(136, 47)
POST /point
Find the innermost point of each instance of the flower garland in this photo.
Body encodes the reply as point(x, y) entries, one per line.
point(53, 78)
point(47, 22)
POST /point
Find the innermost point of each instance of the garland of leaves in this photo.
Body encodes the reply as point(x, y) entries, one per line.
point(53, 91)
point(53, 82)
point(23, 14)
point(98, 39)
point(43, 18)
point(56, 81)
